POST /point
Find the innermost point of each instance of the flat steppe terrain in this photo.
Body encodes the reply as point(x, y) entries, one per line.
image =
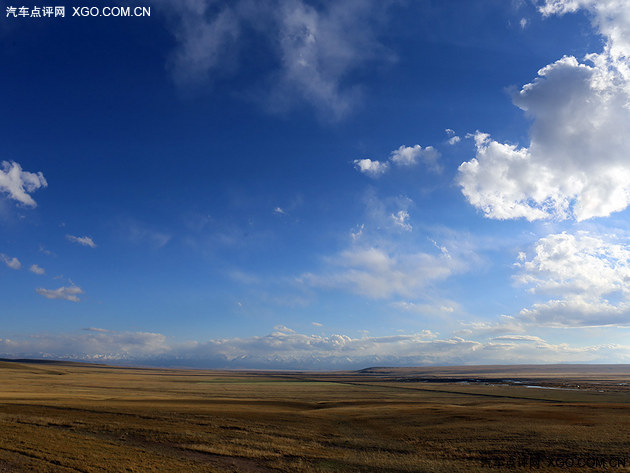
point(65, 417)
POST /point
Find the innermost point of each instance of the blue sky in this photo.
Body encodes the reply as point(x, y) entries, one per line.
point(312, 184)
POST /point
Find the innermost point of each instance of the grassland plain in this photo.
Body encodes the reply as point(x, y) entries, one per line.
point(63, 417)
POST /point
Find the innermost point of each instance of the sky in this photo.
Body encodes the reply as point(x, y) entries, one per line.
point(301, 184)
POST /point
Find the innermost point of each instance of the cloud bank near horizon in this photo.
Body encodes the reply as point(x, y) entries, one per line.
point(287, 349)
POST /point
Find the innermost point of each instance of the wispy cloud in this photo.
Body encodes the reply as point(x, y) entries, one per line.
point(36, 269)
point(12, 263)
point(388, 215)
point(313, 48)
point(69, 293)
point(142, 233)
point(379, 274)
point(84, 240)
point(401, 220)
point(357, 232)
point(47, 252)
point(205, 39)
point(19, 184)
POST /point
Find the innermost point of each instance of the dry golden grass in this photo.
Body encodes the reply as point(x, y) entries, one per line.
point(72, 418)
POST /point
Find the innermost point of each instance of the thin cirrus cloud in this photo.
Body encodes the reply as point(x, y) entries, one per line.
point(576, 165)
point(404, 156)
point(584, 276)
point(18, 184)
point(313, 49)
point(84, 240)
point(68, 293)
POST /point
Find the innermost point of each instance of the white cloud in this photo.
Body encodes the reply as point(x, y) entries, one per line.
point(68, 293)
point(36, 269)
point(411, 155)
point(491, 183)
point(401, 220)
point(18, 184)
point(405, 156)
point(84, 240)
point(577, 312)
point(12, 263)
point(576, 164)
point(379, 274)
point(299, 351)
point(611, 18)
point(523, 23)
point(371, 168)
point(279, 211)
point(453, 138)
point(586, 276)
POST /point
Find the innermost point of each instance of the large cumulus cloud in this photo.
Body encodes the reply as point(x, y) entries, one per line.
point(577, 164)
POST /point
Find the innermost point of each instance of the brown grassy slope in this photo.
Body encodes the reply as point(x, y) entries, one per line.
point(65, 418)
